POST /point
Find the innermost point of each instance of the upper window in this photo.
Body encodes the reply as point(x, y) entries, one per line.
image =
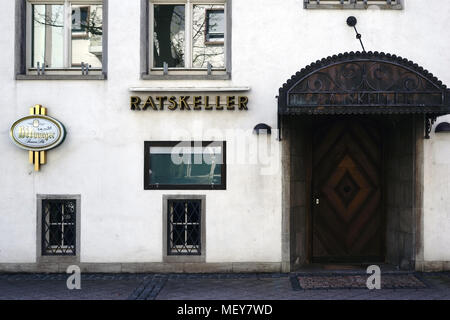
point(188, 37)
point(63, 37)
point(352, 4)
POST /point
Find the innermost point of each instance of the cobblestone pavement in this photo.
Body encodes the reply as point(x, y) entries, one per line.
point(200, 287)
point(53, 287)
point(279, 288)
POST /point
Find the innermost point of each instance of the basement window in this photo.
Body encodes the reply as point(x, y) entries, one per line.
point(184, 227)
point(59, 227)
point(184, 233)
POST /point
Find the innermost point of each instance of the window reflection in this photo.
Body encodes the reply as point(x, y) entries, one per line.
point(208, 36)
point(48, 36)
point(87, 32)
point(215, 25)
point(204, 166)
point(169, 35)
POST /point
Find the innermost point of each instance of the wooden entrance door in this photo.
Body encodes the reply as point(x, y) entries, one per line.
point(347, 211)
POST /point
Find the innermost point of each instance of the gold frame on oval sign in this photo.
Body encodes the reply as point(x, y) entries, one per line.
point(37, 156)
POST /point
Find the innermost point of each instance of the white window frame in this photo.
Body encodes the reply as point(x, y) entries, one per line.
point(188, 69)
point(67, 44)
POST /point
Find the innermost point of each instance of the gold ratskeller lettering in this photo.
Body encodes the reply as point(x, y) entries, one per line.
point(189, 103)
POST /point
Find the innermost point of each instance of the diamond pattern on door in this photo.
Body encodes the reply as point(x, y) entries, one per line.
point(347, 189)
point(347, 164)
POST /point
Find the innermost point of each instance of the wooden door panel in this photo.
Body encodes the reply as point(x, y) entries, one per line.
point(347, 170)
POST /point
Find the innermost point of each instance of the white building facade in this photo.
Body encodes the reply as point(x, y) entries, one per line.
point(139, 85)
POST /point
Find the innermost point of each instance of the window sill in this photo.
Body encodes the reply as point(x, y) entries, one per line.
point(190, 89)
point(185, 187)
point(58, 259)
point(61, 77)
point(184, 259)
point(147, 76)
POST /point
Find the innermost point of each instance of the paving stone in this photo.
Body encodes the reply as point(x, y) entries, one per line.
point(344, 281)
point(57, 290)
point(248, 286)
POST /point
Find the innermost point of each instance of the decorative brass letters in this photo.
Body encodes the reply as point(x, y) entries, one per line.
point(189, 103)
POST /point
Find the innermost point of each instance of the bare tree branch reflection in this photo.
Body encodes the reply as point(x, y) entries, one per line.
point(54, 14)
point(169, 37)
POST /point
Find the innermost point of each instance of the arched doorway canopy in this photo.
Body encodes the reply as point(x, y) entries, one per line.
point(364, 83)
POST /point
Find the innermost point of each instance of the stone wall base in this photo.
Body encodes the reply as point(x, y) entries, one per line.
point(153, 267)
point(432, 266)
point(160, 267)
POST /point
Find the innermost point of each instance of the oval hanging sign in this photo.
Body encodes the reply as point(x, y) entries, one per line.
point(37, 133)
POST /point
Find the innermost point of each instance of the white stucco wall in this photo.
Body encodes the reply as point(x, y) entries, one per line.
point(102, 157)
point(437, 197)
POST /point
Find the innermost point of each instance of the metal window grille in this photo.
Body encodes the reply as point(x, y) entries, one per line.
point(184, 227)
point(58, 227)
point(352, 4)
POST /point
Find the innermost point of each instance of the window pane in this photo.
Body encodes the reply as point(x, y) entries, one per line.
point(54, 210)
point(208, 36)
point(48, 36)
point(215, 25)
point(201, 166)
point(193, 211)
point(87, 35)
point(178, 213)
point(69, 212)
point(169, 35)
point(193, 235)
point(69, 235)
point(55, 235)
point(178, 235)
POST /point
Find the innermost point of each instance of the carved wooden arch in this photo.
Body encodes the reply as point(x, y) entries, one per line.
point(364, 83)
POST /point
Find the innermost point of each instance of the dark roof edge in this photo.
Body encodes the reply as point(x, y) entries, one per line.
point(351, 56)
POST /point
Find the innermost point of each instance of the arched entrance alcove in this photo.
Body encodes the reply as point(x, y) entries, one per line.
point(352, 128)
